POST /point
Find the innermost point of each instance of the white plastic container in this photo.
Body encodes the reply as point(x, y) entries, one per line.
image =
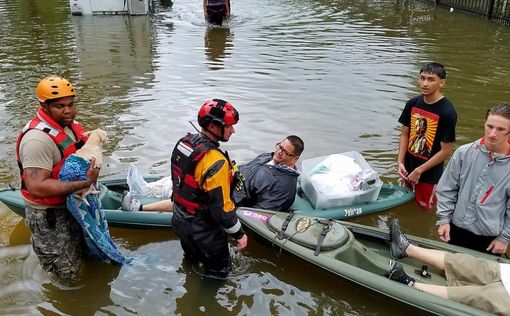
point(323, 200)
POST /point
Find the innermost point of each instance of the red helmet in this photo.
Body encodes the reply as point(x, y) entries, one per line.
point(219, 111)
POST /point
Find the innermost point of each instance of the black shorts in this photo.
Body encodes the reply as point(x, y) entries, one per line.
point(464, 238)
point(216, 16)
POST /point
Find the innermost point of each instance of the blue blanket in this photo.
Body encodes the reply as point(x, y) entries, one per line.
point(91, 217)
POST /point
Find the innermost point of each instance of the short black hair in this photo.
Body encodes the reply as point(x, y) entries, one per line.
point(298, 144)
point(434, 68)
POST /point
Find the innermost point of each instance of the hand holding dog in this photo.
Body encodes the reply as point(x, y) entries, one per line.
point(92, 172)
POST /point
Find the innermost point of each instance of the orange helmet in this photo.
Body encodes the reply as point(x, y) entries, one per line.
point(219, 111)
point(54, 87)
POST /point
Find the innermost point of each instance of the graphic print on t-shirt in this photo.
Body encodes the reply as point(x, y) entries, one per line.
point(423, 128)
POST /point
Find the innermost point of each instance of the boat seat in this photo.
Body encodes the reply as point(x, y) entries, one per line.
point(109, 199)
point(335, 238)
point(113, 200)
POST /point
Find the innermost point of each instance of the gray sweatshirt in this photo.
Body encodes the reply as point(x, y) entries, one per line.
point(474, 191)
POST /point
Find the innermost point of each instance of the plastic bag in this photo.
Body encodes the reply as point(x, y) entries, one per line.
point(140, 188)
point(137, 185)
point(365, 179)
point(161, 189)
point(339, 174)
point(335, 175)
point(337, 165)
point(331, 185)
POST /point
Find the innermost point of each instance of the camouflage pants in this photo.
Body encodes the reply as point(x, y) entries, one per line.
point(57, 240)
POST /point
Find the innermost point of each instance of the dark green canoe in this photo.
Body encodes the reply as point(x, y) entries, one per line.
point(111, 198)
point(359, 254)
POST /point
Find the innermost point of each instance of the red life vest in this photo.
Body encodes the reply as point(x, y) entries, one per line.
point(185, 157)
point(43, 122)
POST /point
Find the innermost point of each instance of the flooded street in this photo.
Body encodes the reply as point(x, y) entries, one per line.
point(336, 73)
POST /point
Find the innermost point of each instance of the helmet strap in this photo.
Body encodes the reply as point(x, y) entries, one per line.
point(222, 138)
point(218, 137)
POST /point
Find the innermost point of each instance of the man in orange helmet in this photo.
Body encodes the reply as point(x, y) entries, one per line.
point(202, 178)
point(41, 148)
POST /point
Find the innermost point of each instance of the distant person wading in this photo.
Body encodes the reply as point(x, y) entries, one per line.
point(216, 10)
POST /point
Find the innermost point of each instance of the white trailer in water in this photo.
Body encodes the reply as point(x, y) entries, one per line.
point(110, 7)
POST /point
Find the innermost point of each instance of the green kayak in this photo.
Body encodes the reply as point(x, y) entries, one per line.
point(389, 196)
point(357, 253)
point(113, 188)
point(111, 198)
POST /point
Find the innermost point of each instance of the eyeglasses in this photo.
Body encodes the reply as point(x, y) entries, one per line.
point(284, 151)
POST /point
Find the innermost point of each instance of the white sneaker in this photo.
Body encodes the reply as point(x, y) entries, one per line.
point(129, 203)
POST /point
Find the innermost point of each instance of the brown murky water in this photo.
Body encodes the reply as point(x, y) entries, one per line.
point(336, 73)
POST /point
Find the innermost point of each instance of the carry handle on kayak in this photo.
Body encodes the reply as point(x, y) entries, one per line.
point(325, 229)
point(285, 224)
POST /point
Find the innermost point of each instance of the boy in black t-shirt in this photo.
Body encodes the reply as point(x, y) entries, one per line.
point(427, 137)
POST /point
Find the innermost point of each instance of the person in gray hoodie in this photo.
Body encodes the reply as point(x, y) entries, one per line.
point(474, 191)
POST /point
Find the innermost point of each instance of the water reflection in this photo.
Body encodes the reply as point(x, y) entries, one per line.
point(218, 42)
point(150, 285)
point(92, 295)
point(105, 56)
point(30, 47)
point(8, 223)
point(199, 289)
point(21, 280)
point(115, 55)
point(336, 73)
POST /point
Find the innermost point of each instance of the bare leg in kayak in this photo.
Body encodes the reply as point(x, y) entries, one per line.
point(129, 203)
point(470, 280)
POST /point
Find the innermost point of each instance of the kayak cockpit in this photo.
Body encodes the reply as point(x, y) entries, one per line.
point(307, 234)
point(109, 199)
point(328, 239)
point(332, 242)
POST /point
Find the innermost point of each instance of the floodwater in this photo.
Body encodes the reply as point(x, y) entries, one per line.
point(336, 73)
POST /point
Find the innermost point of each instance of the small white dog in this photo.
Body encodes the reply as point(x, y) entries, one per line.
point(93, 148)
